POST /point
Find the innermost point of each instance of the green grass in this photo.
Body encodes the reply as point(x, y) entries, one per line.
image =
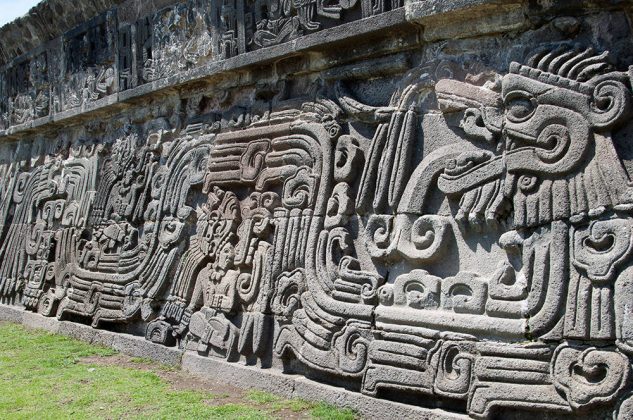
point(40, 377)
point(328, 412)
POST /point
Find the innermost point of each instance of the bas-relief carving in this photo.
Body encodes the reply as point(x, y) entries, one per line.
point(104, 56)
point(475, 248)
point(88, 71)
point(66, 73)
point(192, 33)
point(25, 90)
point(540, 164)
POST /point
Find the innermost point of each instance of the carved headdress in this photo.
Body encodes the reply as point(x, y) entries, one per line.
point(567, 67)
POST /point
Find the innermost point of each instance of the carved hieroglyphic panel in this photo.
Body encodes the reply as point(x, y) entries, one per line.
point(88, 72)
point(465, 241)
point(103, 56)
point(25, 90)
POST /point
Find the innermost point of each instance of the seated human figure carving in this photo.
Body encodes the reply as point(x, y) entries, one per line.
point(214, 296)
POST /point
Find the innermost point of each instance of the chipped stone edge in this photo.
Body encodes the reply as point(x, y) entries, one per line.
point(285, 385)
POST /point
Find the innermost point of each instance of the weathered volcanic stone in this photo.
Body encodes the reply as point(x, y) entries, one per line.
point(411, 208)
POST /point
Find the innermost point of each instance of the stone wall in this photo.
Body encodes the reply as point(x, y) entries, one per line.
point(425, 201)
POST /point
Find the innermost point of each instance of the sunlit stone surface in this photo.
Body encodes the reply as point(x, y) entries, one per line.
point(426, 201)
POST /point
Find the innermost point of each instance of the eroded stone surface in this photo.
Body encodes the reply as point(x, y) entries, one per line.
point(440, 221)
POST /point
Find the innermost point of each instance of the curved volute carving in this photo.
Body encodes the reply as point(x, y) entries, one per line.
point(464, 236)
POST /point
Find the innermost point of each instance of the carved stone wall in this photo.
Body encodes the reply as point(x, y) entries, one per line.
point(429, 202)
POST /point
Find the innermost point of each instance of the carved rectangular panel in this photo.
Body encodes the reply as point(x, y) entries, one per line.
point(126, 58)
point(90, 70)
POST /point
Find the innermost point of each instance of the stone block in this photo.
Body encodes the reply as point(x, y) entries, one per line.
point(78, 331)
point(239, 375)
point(139, 347)
point(11, 314)
point(37, 321)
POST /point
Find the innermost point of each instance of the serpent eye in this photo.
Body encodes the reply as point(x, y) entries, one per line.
point(520, 106)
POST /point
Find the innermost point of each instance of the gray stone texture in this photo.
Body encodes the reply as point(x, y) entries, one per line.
point(423, 202)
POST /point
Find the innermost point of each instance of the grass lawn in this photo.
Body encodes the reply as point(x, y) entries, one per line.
point(48, 376)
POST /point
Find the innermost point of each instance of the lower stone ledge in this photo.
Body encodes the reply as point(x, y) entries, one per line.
point(285, 385)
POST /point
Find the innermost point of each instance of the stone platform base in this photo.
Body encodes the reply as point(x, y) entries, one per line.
point(285, 385)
